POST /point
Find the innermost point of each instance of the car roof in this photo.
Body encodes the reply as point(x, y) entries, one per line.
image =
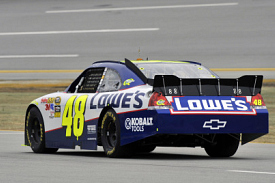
point(120, 66)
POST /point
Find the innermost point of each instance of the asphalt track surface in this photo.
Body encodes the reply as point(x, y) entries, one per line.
point(71, 35)
point(253, 163)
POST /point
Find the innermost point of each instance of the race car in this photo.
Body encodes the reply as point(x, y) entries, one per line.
point(132, 107)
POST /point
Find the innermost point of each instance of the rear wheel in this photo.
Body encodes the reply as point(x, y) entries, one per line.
point(35, 132)
point(224, 145)
point(110, 136)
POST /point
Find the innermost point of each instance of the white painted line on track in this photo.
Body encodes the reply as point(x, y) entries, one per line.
point(38, 56)
point(253, 172)
point(78, 31)
point(143, 8)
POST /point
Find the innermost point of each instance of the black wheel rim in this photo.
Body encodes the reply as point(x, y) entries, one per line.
point(35, 131)
point(111, 134)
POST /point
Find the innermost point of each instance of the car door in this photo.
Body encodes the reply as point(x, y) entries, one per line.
point(72, 122)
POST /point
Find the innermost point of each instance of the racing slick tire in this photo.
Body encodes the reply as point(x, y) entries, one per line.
point(35, 132)
point(110, 136)
point(224, 146)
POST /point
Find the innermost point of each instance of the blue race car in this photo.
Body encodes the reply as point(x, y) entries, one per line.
point(133, 106)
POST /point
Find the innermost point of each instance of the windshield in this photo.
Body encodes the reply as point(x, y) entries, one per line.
point(181, 70)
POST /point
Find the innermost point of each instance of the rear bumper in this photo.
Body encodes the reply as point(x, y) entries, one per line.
point(218, 123)
point(163, 121)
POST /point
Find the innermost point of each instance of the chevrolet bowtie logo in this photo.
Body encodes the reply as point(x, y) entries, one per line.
point(214, 124)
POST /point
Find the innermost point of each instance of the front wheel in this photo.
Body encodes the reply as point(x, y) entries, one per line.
point(110, 136)
point(224, 145)
point(35, 132)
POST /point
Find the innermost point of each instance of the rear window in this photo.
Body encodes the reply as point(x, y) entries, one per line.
point(181, 70)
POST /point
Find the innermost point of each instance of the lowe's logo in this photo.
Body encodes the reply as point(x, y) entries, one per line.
point(211, 104)
point(214, 124)
point(117, 100)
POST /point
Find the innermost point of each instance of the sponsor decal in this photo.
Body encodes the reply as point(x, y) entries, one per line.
point(91, 129)
point(52, 104)
point(44, 100)
point(160, 102)
point(57, 111)
point(214, 124)
point(211, 105)
point(54, 110)
point(93, 138)
point(57, 108)
point(51, 114)
point(50, 100)
point(138, 124)
point(118, 100)
point(57, 100)
point(128, 81)
point(49, 107)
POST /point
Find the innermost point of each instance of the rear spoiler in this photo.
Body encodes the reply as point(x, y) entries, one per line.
point(170, 85)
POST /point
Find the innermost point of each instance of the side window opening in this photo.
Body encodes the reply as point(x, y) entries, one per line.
point(90, 82)
point(111, 81)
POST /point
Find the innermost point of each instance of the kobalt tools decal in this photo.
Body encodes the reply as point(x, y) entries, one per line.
point(211, 105)
point(137, 124)
point(214, 124)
